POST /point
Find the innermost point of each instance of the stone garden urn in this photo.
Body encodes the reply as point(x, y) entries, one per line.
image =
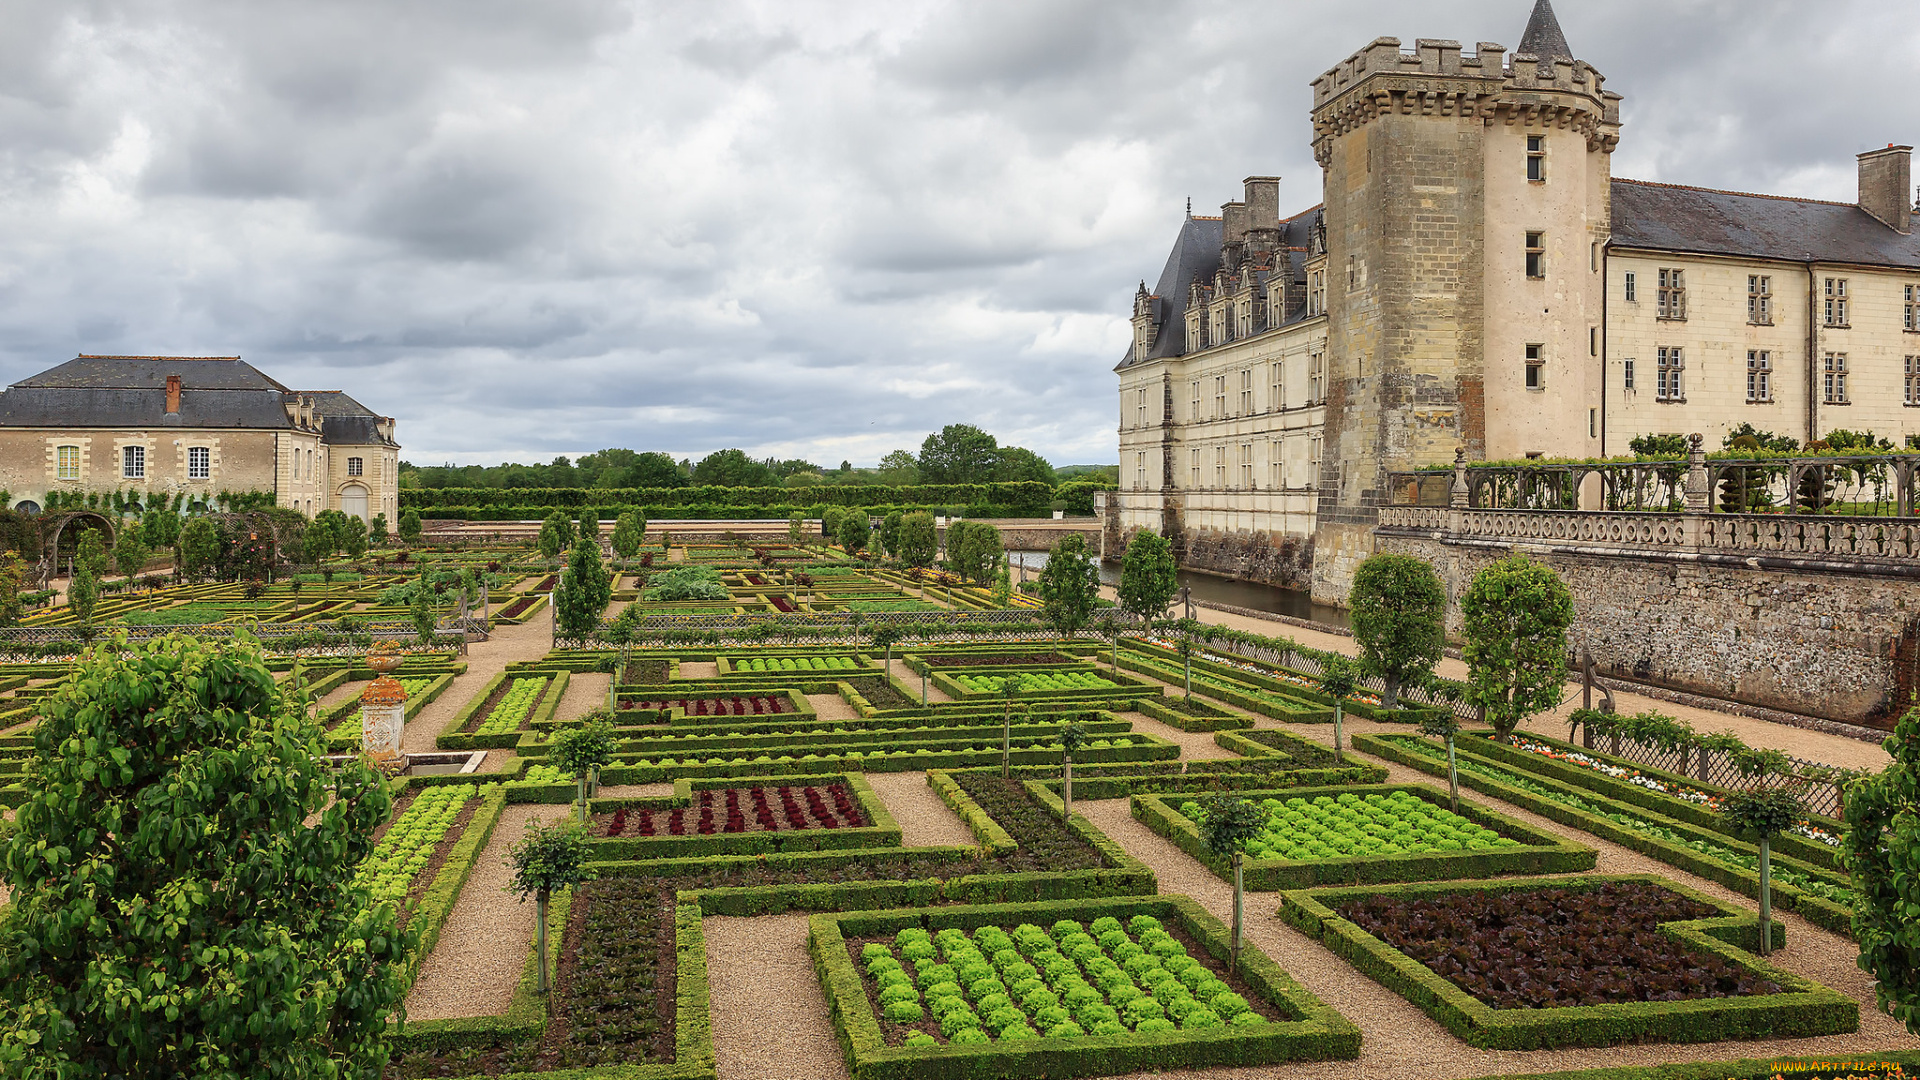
point(383, 707)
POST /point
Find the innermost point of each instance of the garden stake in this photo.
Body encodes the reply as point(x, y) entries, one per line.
point(540, 935)
point(1766, 895)
point(1453, 776)
point(1237, 926)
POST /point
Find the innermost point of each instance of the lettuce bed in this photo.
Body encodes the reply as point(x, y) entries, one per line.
point(1024, 990)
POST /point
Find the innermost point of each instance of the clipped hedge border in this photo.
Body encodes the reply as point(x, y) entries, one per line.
point(993, 839)
point(1743, 1069)
point(1307, 713)
point(1818, 910)
point(1804, 1009)
point(450, 737)
point(1124, 690)
point(1539, 853)
point(655, 743)
point(430, 915)
point(1316, 1032)
point(1222, 720)
point(803, 710)
point(1646, 798)
point(883, 833)
point(1406, 714)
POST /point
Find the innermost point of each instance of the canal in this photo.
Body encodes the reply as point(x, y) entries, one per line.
point(1218, 590)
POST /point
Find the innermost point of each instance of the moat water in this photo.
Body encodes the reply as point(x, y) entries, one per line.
point(1245, 594)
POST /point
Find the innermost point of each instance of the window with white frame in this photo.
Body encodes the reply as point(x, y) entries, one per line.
point(1246, 318)
point(1219, 397)
point(1760, 299)
point(1759, 376)
point(1140, 471)
point(1315, 446)
point(1833, 379)
point(1193, 414)
point(1276, 465)
point(1219, 467)
point(1834, 302)
point(1246, 392)
point(1246, 466)
point(1672, 299)
point(67, 462)
point(355, 466)
point(133, 462)
point(1913, 309)
point(1633, 287)
point(1140, 408)
point(1316, 378)
point(199, 462)
point(1626, 373)
point(1913, 381)
point(1317, 291)
point(1193, 464)
point(1276, 386)
point(1670, 375)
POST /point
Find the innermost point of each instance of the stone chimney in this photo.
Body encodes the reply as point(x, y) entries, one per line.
point(173, 395)
point(1263, 201)
point(1885, 177)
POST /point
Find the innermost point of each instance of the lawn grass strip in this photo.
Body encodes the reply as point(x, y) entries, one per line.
point(1818, 910)
point(1315, 1032)
point(1539, 852)
point(1803, 1009)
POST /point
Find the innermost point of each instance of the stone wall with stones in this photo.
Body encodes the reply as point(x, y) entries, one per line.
point(1251, 555)
point(1830, 645)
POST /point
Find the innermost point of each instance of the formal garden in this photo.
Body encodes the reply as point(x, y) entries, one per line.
point(853, 801)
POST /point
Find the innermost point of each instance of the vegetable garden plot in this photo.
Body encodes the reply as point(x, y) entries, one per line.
point(743, 665)
point(781, 808)
point(509, 707)
point(732, 705)
point(415, 842)
point(1037, 681)
point(1323, 836)
point(938, 661)
point(1590, 961)
point(1031, 990)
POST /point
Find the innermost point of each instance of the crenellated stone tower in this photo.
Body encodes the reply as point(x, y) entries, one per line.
point(1466, 211)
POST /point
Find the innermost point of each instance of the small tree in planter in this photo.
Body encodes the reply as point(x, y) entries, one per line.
point(1337, 681)
point(1399, 608)
point(1072, 737)
point(1010, 686)
point(548, 859)
point(1231, 823)
point(583, 751)
point(1763, 813)
point(1882, 850)
point(1516, 614)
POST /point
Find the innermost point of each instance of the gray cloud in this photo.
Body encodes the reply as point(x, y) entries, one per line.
point(820, 227)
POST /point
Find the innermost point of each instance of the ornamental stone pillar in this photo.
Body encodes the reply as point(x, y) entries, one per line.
point(1699, 494)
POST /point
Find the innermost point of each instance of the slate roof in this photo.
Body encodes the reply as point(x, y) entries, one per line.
point(215, 392)
point(1544, 38)
point(1668, 217)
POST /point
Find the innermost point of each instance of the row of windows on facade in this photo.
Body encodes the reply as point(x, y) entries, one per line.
point(1836, 301)
point(1240, 472)
point(133, 463)
point(1242, 393)
point(1671, 366)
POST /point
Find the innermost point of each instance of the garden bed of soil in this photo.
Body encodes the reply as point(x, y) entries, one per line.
point(767, 808)
point(880, 693)
point(1554, 948)
point(645, 672)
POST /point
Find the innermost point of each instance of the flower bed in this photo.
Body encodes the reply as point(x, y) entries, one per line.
point(1031, 990)
point(735, 810)
point(1534, 963)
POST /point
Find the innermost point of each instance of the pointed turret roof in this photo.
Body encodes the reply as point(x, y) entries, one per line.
point(1543, 37)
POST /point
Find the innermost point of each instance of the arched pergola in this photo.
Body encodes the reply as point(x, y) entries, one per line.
point(53, 526)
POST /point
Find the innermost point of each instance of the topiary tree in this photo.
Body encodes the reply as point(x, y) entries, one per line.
point(583, 751)
point(1072, 737)
point(589, 524)
point(585, 591)
point(1184, 646)
point(973, 549)
point(199, 548)
point(1399, 610)
point(854, 531)
point(130, 553)
point(886, 636)
point(184, 877)
point(1149, 577)
point(1882, 852)
point(379, 527)
point(320, 539)
point(1337, 681)
point(629, 532)
point(13, 581)
point(1442, 724)
point(83, 588)
point(1069, 584)
point(1010, 687)
point(548, 859)
point(1228, 826)
point(410, 527)
point(1516, 618)
point(1763, 813)
point(890, 533)
point(830, 523)
point(556, 535)
point(919, 541)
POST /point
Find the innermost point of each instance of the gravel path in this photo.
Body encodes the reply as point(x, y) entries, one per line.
point(586, 691)
point(1194, 745)
point(924, 820)
point(630, 791)
point(769, 1013)
point(910, 679)
point(832, 707)
point(699, 669)
point(485, 659)
point(477, 963)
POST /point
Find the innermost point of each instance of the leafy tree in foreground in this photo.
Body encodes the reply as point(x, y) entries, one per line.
point(1230, 824)
point(174, 912)
point(1516, 615)
point(585, 590)
point(410, 526)
point(1148, 576)
point(918, 540)
point(548, 859)
point(1069, 584)
point(1399, 608)
point(1882, 852)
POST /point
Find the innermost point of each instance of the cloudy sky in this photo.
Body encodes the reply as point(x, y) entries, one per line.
point(533, 227)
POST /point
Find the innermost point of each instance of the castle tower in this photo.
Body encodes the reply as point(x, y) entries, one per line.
point(1466, 210)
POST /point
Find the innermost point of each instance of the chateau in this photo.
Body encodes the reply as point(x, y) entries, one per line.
point(156, 427)
point(1475, 277)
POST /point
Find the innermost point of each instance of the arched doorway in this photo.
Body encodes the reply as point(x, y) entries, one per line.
point(27, 506)
point(353, 501)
